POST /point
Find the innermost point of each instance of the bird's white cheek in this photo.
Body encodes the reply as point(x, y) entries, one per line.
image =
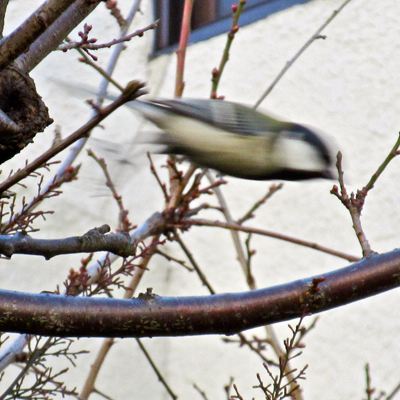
point(299, 155)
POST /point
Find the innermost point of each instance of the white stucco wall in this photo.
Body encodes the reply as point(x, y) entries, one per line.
point(347, 86)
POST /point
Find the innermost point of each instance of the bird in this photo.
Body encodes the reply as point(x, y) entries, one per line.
point(237, 140)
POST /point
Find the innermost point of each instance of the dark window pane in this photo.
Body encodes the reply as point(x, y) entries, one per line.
point(209, 18)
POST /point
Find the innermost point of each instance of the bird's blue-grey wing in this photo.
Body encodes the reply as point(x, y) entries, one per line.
point(227, 116)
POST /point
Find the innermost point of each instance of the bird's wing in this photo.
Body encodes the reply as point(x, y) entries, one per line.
point(227, 116)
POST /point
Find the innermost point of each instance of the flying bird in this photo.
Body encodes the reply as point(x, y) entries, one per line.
point(238, 141)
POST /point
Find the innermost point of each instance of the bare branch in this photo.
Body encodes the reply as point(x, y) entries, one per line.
point(315, 36)
point(183, 42)
point(229, 313)
point(87, 45)
point(355, 202)
point(3, 7)
point(312, 245)
point(250, 214)
point(156, 370)
point(92, 241)
point(19, 40)
point(124, 225)
point(80, 133)
point(55, 34)
point(217, 72)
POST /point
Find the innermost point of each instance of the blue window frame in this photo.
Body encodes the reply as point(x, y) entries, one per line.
point(210, 18)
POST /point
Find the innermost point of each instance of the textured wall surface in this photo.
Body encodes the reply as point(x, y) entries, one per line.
point(348, 86)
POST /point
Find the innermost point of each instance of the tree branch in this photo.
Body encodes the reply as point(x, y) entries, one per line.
point(133, 90)
point(94, 240)
point(152, 315)
point(19, 40)
point(3, 8)
point(55, 34)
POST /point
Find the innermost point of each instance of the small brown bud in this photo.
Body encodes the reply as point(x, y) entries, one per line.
point(235, 28)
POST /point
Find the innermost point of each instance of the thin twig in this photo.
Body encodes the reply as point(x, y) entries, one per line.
point(154, 172)
point(315, 246)
point(124, 224)
point(392, 154)
point(225, 210)
point(354, 205)
point(170, 258)
point(250, 214)
point(156, 370)
point(315, 36)
point(179, 185)
point(33, 358)
point(355, 202)
point(201, 392)
point(217, 73)
point(88, 61)
point(92, 46)
point(196, 267)
point(183, 42)
point(393, 393)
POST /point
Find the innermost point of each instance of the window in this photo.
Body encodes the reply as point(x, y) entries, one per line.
point(209, 18)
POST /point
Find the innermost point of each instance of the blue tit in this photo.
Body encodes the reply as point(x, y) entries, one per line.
point(237, 140)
